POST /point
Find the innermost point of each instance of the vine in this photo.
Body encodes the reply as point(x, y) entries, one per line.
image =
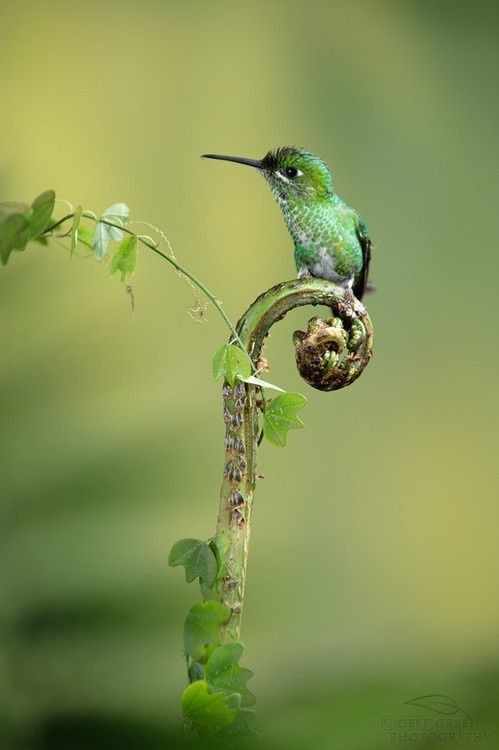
point(330, 354)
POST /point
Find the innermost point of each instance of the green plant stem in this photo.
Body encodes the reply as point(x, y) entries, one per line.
point(253, 329)
point(180, 269)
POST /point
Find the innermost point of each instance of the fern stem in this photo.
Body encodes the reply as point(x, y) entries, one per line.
point(241, 418)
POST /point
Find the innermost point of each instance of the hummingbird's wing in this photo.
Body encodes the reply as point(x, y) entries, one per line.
point(363, 285)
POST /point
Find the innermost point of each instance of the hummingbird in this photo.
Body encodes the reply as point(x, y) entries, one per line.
point(331, 240)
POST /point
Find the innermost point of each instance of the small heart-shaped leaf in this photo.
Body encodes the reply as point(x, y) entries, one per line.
point(42, 208)
point(14, 230)
point(231, 362)
point(85, 236)
point(198, 559)
point(206, 709)
point(280, 417)
point(125, 258)
point(201, 627)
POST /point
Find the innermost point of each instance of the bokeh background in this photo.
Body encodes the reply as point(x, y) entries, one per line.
point(374, 554)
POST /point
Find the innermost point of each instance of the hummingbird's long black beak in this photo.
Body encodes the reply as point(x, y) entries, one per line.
point(257, 163)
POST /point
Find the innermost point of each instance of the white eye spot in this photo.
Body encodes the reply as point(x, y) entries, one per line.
point(289, 173)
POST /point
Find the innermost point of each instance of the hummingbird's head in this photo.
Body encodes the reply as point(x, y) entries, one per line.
point(292, 173)
point(296, 173)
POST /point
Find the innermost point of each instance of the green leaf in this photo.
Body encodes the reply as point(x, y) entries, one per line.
point(280, 417)
point(234, 701)
point(223, 672)
point(220, 545)
point(14, 228)
point(253, 380)
point(206, 709)
point(197, 558)
point(41, 212)
point(231, 362)
point(13, 207)
point(73, 232)
point(239, 727)
point(196, 671)
point(201, 627)
point(103, 235)
point(85, 235)
point(117, 211)
point(125, 258)
point(207, 592)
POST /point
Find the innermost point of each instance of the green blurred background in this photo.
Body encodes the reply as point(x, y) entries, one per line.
point(374, 553)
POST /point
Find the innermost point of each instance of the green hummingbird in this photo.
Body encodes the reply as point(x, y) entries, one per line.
point(330, 238)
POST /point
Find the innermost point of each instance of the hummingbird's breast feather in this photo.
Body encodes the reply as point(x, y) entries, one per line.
point(326, 244)
point(324, 265)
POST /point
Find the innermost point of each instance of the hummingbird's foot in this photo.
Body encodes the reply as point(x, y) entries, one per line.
point(304, 273)
point(352, 301)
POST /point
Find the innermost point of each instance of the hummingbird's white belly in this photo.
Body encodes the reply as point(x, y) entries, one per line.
point(325, 266)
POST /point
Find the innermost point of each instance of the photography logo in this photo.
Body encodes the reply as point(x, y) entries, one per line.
point(442, 720)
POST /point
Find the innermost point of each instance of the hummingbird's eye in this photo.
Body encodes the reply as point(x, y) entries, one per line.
point(291, 172)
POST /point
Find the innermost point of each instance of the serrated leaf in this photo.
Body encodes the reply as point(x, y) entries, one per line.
point(234, 701)
point(73, 232)
point(224, 673)
point(206, 709)
point(253, 380)
point(125, 258)
point(41, 212)
point(198, 559)
point(201, 627)
point(220, 545)
point(14, 228)
point(231, 362)
point(85, 235)
point(280, 417)
point(117, 211)
point(240, 727)
point(441, 704)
